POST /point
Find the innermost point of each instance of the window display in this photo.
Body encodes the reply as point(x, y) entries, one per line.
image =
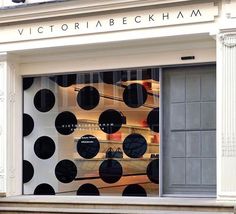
point(94, 133)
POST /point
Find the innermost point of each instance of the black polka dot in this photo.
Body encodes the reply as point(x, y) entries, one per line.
point(27, 82)
point(110, 171)
point(135, 95)
point(44, 100)
point(65, 171)
point(44, 189)
point(153, 171)
point(110, 121)
point(135, 145)
point(88, 146)
point(153, 120)
point(88, 98)
point(28, 124)
point(111, 77)
point(28, 171)
point(134, 190)
point(64, 80)
point(88, 189)
point(44, 147)
point(66, 123)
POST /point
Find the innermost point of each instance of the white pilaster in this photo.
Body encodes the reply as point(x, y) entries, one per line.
point(226, 116)
point(10, 121)
point(3, 127)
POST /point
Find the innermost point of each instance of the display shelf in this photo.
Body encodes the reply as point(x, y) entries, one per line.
point(117, 142)
point(119, 98)
point(119, 159)
point(103, 141)
point(125, 158)
point(132, 127)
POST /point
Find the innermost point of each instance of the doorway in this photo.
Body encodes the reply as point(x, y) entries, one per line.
point(189, 131)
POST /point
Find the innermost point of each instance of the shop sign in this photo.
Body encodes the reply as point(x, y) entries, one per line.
point(111, 22)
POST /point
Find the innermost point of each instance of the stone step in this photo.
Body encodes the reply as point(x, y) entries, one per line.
point(114, 205)
point(41, 210)
point(136, 208)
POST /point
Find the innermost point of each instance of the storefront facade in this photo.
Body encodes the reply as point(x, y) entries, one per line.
point(132, 98)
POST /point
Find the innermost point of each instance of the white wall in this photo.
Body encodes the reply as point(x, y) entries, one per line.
point(39, 62)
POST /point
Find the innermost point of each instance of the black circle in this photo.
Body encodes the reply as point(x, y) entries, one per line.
point(134, 190)
point(27, 82)
point(66, 123)
point(88, 189)
point(65, 171)
point(110, 171)
point(44, 189)
point(28, 124)
point(110, 121)
point(135, 145)
point(153, 120)
point(44, 147)
point(28, 171)
point(135, 95)
point(88, 146)
point(153, 171)
point(44, 100)
point(111, 77)
point(88, 98)
point(64, 80)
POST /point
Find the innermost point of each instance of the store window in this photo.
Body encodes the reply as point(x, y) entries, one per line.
point(94, 133)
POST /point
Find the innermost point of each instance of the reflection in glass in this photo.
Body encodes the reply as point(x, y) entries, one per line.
point(92, 133)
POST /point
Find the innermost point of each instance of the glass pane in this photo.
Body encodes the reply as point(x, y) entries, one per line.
point(93, 133)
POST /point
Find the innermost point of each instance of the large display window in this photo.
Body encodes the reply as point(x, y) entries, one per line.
point(92, 133)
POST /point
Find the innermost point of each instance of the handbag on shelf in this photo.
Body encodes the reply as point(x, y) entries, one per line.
point(109, 153)
point(155, 139)
point(115, 136)
point(118, 153)
point(156, 156)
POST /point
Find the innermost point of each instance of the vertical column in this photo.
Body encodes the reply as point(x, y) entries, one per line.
point(14, 128)
point(2, 127)
point(10, 127)
point(226, 116)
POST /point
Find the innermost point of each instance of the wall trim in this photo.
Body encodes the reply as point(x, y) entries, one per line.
point(74, 7)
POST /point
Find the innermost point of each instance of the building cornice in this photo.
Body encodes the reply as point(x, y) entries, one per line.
point(59, 9)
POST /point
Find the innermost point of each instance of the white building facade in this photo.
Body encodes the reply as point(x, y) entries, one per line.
point(192, 44)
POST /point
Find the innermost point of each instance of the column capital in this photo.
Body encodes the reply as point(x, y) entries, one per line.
point(228, 39)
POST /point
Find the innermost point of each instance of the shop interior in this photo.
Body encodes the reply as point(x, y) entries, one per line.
point(92, 133)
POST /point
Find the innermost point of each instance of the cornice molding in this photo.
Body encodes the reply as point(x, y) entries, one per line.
point(6, 57)
point(72, 7)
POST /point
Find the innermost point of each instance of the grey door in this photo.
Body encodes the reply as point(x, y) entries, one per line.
point(189, 130)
